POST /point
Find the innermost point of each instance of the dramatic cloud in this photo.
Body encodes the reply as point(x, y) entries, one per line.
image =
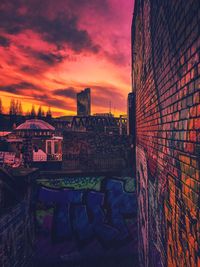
point(50, 50)
point(103, 96)
point(29, 69)
point(4, 41)
point(50, 101)
point(49, 58)
point(18, 88)
point(68, 92)
point(61, 30)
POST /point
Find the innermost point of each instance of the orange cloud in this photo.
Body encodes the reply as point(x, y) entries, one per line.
point(51, 50)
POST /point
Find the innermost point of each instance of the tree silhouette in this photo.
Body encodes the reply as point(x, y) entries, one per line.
point(20, 110)
point(39, 113)
point(43, 114)
point(16, 104)
point(49, 115)
point(33, 113)
point(12, 108)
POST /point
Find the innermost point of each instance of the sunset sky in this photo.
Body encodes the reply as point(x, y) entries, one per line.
point(51, 49)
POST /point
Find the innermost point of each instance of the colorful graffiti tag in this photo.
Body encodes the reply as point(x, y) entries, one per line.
point(142, 177)
point(87, 208)
point(166, 84)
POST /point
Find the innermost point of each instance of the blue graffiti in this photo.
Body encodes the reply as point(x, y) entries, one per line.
point(121, 205)
point(88, 215)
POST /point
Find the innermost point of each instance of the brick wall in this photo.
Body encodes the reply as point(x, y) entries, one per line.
point(17, 236)
point(166, 80)
point(90, 151)
point(17, 233)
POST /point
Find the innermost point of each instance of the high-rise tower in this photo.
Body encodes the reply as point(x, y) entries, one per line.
point(84, 103)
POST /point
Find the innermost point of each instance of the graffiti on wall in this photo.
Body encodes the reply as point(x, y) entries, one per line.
point(142, 178)
point(167, 114)
point(87, 208)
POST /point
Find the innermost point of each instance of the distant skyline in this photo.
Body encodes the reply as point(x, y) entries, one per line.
point(50, 50)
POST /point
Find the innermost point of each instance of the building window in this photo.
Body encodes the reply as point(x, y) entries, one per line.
point(56, 148)
point(48, 147)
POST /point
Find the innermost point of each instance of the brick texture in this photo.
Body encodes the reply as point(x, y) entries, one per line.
point(17, 236)
point(90, 151)
point(166, 82)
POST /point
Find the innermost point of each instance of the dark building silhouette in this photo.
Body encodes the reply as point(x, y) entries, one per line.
point(101, 124)
point(17, 233)
point(84, 103)
point(95, 152)
point(131, 114)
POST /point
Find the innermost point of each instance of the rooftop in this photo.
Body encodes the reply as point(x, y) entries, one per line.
point(35, 124)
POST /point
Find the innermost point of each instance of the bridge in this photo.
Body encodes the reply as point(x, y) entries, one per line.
point(99, 123)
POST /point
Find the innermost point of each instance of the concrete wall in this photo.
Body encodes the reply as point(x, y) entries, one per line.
point(166, 80)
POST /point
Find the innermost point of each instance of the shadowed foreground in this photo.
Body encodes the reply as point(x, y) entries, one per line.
point(86, 221)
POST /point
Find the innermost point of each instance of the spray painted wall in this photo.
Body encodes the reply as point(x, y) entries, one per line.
point(166, 81)
point(87, 209)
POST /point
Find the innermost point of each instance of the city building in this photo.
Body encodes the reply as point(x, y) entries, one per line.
point(31, 142)
point(84, 103)
point(103, 114)
point(100, 124)
point(17, 231)
point(46, 146)
point(131, 114)
point(95, 151)
point(122, 123)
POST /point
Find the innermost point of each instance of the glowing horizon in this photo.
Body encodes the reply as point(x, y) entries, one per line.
point(50, 51)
